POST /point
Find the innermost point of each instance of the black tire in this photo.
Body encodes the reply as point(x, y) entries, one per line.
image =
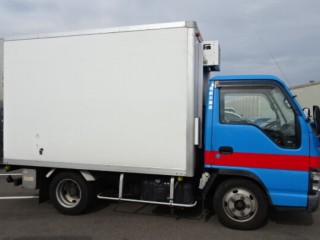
point(70, 193)
point(240, 204)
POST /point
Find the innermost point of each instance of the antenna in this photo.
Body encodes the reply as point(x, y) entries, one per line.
point(271, 55)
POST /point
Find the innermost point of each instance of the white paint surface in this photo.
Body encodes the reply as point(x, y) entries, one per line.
point(102, 100)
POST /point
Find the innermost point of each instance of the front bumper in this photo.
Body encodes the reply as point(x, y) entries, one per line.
point(313, 202)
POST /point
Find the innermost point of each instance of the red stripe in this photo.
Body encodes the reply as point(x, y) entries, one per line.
point(257, 160)
point(315, 162)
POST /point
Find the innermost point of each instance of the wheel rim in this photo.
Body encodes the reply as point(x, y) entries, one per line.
point(68, 193)
point(240, 204)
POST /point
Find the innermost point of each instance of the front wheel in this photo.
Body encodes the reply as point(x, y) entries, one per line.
point(240, 204)
point(70, 193)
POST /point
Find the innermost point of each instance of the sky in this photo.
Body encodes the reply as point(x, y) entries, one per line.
point(279, 37)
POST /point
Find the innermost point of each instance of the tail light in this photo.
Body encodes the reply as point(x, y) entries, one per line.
point(314, 180)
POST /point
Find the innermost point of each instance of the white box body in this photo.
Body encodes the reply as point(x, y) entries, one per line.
point(121, 99)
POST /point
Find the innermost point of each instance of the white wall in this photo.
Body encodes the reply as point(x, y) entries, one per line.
point(1, 72)
point(308, 95)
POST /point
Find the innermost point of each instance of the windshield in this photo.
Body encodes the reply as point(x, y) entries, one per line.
point(284, 108)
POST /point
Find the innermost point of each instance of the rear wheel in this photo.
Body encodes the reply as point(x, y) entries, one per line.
point(70, 193)
point(240, 204)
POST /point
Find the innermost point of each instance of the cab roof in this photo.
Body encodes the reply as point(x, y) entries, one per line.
point(245, 77)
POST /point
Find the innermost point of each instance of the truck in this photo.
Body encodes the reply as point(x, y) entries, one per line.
point(133, 114)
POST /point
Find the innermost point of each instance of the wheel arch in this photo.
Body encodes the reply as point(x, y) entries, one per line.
point(87, 175)
point(221, 175)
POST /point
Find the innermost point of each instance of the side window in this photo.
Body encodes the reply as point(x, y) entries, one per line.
point(264, 107)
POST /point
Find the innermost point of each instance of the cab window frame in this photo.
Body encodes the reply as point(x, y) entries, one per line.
point(247, 84)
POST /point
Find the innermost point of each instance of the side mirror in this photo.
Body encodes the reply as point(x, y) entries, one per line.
point(316, 118)
point(307, 112)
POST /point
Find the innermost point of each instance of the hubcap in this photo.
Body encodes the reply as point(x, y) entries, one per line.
point(240, 204)
point(68, 193)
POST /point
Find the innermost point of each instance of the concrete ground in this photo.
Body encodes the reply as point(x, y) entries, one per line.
point(25, 219)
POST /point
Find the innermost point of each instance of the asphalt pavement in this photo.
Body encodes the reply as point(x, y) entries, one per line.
point(25, 219)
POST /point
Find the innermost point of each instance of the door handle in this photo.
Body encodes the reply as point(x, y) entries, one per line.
point(225, 150)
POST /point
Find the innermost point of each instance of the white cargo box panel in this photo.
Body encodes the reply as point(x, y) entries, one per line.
point(1, 73)
point(120, 99)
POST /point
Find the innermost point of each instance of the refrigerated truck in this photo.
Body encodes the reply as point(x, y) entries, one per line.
point(130, 114)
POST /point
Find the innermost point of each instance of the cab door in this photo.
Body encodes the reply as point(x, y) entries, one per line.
point(256, 129)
